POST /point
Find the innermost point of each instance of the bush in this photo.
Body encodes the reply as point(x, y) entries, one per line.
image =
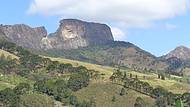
point(78, 81)
point(35, 100)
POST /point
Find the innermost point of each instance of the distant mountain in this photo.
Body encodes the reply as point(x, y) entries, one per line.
point(180, 52)
point(178, 59)
point(71, 34)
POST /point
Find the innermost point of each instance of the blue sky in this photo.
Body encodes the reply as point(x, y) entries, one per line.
point(157, 27)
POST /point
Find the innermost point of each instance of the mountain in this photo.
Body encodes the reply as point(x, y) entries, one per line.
point(94, 43)
point(180, 52)
point(84, 41)
point(115, 53)
point(177, 60)
point(24, 35)
point(71, 34)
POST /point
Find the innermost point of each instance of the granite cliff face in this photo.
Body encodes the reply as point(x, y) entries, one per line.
point(24, 35)
point(71, 34)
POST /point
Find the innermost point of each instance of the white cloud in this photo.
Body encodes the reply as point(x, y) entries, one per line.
point(118, 34)
point(130, 13)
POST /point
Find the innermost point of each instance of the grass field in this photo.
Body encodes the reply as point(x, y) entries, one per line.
point(103, 93)
point(170, 84)
point(6, 54)
point(10, 81)
point(102, 69)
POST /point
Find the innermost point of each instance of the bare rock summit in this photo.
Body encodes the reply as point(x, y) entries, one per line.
point(71, 34)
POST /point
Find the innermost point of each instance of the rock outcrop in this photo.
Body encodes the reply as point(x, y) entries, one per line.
point(24, 35)
point(71, 34)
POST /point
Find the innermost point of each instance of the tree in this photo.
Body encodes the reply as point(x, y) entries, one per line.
point(113, 99)
point(170, 98)
point(35, 100)
point(162, 77)
point(161, 101)
point(139, 102)
point(52, 67)
point(124, 76)
point(159, 91)
point(73, 100)
point(186, 98)
point(61, 90)
point(61, 68)
point(136, 77)
point(79, 80)
point(122, 92)
point(24, 72)
point(159, 76)
point(7, 96)
point(147, 88)
point(131, 75)
point(21, 89)
point(179, 103)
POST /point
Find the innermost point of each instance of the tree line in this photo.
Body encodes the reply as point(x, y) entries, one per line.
point(162, 96)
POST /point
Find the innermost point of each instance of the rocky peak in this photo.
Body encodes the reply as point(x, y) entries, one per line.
point(180, 52)
point(73, 34)
point(24, 35)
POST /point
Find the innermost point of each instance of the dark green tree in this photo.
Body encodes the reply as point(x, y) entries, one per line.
point(21, 89)
point(78, 81)
point(139, 102)
point(122, 92)
point(35, 100)
point(161, 101)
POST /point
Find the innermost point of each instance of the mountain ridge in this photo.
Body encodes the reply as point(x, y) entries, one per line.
point(91, 42)
point(71, 34)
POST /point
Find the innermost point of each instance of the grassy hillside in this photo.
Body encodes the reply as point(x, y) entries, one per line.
point(6, 54)
point(103, 92)
point(103, 69)
point(10, 81)
point(172, 84)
